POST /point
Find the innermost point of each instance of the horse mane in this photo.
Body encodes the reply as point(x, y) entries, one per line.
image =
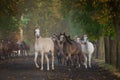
point(68, 39)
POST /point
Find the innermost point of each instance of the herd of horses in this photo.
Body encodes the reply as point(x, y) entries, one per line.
point(72, 52)
point(10, 48)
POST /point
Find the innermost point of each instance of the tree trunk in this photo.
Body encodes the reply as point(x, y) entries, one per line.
point(107, 50)
point(115, 12)
point(118, 47)
point(118, 52)
point(117, 30)
point(96, 49)
point(101, 51)
point(113, 52)
point(21, 34)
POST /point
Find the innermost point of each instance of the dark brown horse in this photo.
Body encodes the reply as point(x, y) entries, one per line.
point(25, 48)
point(71, 49)
point(58, 49)
point(10, 48)
point(5, 48)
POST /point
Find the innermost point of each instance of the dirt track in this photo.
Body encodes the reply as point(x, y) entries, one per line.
point(23, 68)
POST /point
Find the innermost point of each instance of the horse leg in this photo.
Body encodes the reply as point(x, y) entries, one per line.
point(25, 53)
point(60, 58)
point(89, 60)
point(35, 60)
point(70, 59)
point(85, 61)
point(78, 60)
point(52, 60)
point(46, 56)
point(64, 60)
point(19, 52)
point(42, 56)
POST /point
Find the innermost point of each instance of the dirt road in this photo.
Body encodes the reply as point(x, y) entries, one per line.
point(23, 68)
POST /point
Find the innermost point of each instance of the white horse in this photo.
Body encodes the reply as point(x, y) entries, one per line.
point(87, 50)
point(44, 46)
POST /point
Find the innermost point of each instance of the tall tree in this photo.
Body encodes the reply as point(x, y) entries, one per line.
point(96, 16)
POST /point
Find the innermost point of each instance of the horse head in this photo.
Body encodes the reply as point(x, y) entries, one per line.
point(62, 38)
point(37, 32)
point(84, 38)
point(54, 37)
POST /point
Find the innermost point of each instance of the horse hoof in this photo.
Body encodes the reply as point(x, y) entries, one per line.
point(41, 69)
point(90, 66)
point(69, 69)
point(85, 67)
point(79, 65)
point(48, 69)
point(52, 68)
point(37, 66)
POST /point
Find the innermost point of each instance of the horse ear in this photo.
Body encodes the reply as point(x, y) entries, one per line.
point(68, 36)
point(60, 33)
point(64, 33)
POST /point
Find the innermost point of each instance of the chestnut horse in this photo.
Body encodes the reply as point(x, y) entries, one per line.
point(71, 49)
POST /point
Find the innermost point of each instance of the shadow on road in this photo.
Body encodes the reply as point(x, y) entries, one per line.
point(23, 68)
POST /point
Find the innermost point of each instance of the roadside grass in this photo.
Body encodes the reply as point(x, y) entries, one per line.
point(108, 67)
